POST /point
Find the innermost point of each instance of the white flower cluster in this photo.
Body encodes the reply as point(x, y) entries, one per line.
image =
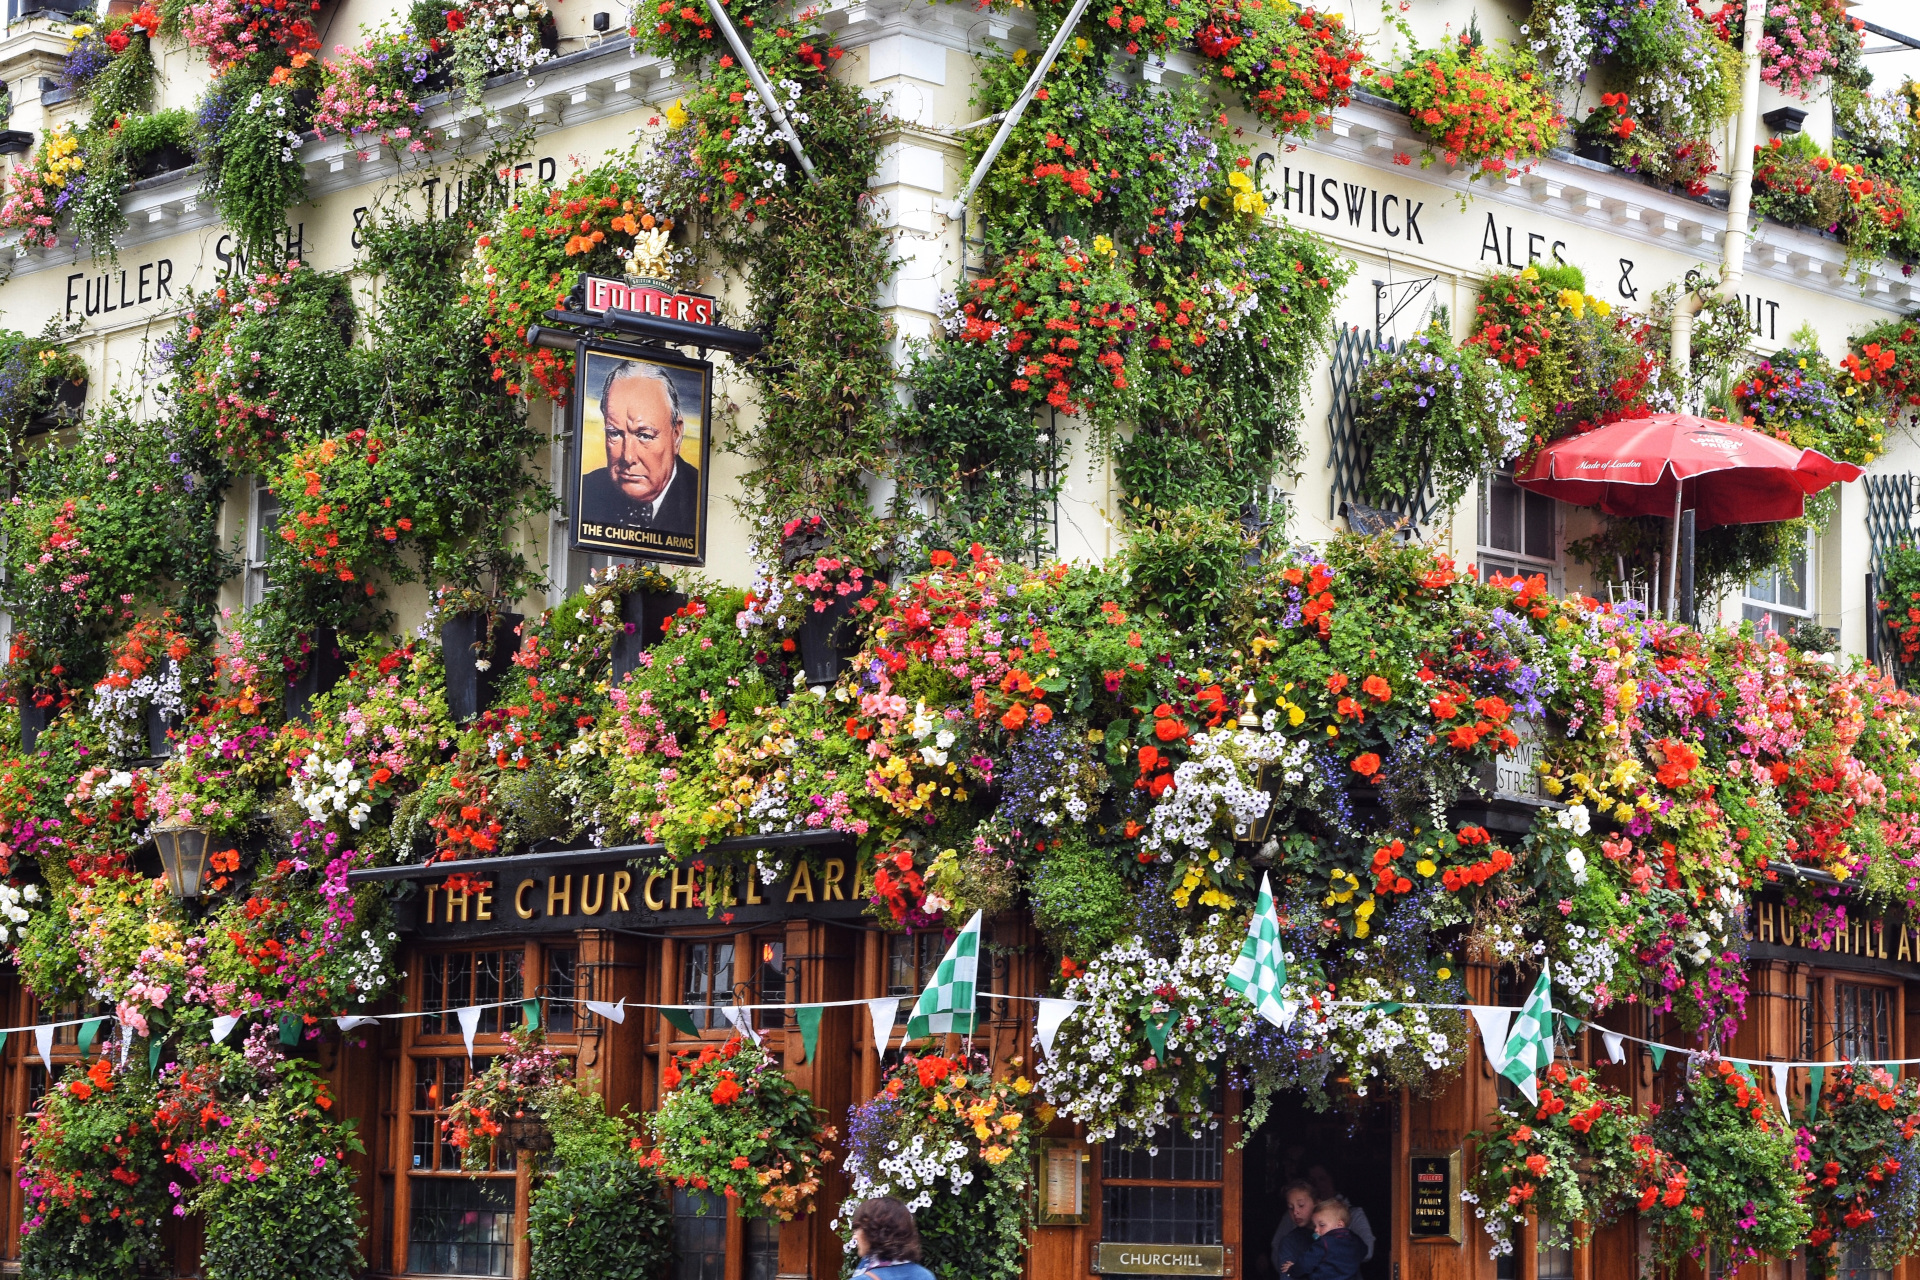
point(1675, 94)
point(290, 141)
point(952, 318)
point(923, 727)
point(1570, 41)
point(1100, 1072)
point(14, 902)
point(1361, 1031)
point(912, 1173)
point(1874, 123)
point(1587, 961)
point(121, 712)
point(1509, 416)
point(1213, 786)
point(512, 36)
point(759, 130)
point(324, 788)
point(368, 973)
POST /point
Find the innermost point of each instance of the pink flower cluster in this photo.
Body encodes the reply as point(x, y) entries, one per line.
point(232, 31)
point(27, 207)
point(353, 101)
point(1800, 44)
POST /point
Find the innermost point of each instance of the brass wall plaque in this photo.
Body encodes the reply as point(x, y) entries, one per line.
point(1063, 1173)
point(1434, 1195)
point(1159, 1259)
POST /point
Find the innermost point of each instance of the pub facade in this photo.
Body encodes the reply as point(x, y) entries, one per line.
point(595, 942)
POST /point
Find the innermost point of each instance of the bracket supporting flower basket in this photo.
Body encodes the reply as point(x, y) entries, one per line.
point(528, 1133)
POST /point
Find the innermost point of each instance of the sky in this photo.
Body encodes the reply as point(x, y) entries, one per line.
point(1896, 15)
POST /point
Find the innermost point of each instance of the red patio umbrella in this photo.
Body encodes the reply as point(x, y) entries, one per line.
point(1673, 462)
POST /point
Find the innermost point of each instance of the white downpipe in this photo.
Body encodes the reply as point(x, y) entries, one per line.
point(1733, 248)
point(1733, 257)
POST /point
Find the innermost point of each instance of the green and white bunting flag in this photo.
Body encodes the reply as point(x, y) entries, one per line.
point(1529, 1049)
point(1260, 974)
point(946, 1006)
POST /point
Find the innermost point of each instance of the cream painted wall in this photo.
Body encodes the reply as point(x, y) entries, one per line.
point(918, 59)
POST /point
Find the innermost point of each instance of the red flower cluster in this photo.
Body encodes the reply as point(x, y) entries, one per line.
point(530, 260)
point(1677, 762)
point(1488, 111)
point(1317, 600)
point(1291, 68)
point(898, 885)
point(1477, 873)
point(465, 825)
point(1904, 624)
point(1064, 313)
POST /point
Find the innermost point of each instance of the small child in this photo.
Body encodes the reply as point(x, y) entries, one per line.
point(1336, 1253)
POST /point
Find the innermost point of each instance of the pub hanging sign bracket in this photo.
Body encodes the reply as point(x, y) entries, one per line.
point(611, 307)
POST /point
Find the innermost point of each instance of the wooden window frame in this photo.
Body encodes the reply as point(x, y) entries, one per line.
point(668, 1040)
point(417, 1045)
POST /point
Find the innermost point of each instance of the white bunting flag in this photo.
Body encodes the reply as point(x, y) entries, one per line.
point(469, 1023)
point(611, 1012)
point(883, 1011)
point(352, 1020)
point(742, 1020)
point(43, 1042)
point(1780, 1089)
point(1493, 1020)
point(1616, 1047)
point(223, 1025)
point(1046, 1022)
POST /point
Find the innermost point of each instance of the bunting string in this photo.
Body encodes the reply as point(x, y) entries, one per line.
point(1053, 1009)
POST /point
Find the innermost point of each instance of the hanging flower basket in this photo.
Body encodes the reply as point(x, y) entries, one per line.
point(528, 1133)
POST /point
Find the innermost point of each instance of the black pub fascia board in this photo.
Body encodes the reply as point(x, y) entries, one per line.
point(624, 887)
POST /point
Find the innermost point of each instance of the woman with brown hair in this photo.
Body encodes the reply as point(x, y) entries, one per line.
point(888, 1241)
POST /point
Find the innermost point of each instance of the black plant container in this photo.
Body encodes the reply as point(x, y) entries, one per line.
point(643, 612)
point(439, 73)
point(829, 637)
point(162, 160)
point(469, 688)
point(66, 399)
point(33, 721)
point(1594, 151)
point(300, 108)
point(158, 724)
point(323, 669)
point(15, 142)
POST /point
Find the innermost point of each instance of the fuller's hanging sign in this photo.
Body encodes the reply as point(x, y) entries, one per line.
point(606, 293)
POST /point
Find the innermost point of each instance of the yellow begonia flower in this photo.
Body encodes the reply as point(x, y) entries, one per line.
point(677, 115)
point(1425, 867)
